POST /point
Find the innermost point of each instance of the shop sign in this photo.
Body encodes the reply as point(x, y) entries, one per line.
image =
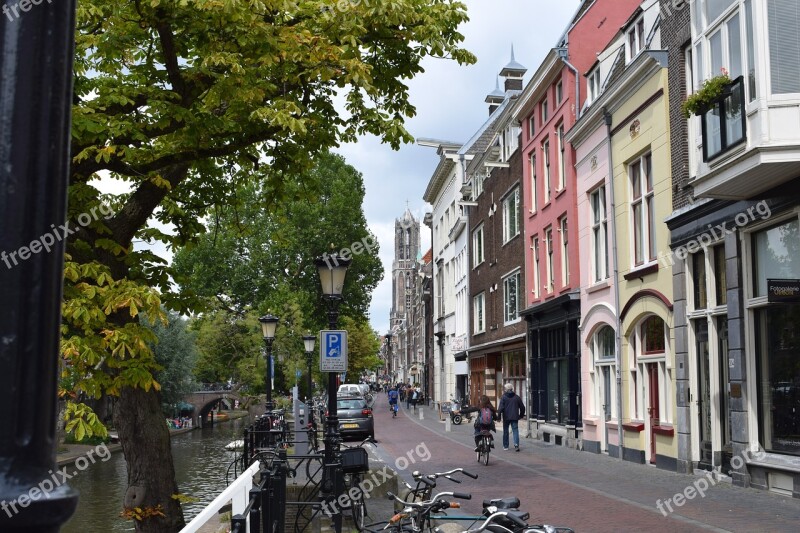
point(783, 290)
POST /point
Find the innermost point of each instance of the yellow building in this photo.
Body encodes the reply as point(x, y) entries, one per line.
point(640, 155)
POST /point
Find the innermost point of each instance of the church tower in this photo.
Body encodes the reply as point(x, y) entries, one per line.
point(406, 255)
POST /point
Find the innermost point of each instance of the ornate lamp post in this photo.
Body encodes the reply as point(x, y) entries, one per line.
point(309, 341)
point(332, 271)
point(269, 324)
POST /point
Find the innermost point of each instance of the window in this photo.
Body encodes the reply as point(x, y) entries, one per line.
point(534, 184)
point(480, 313)
point(544, 111)
point(564, 252)
point(511, 291)
point(776, 255)
point(561, 160)
point(635, 41)
point(784, 47)
point(603, 351)
point(511, 215)
point(559, 93)
point(478, 185)
point(546, 154)
point(715, 8)
point(652, 335)
point(477, 246)
point(593, 83)
point(548, 236)
point(536, 280)
point(531, 127)
point(720, 276)
point(554, 349)
point(643, 209)
point(699, 278)
point(510, 141)
point(599, 237)
point(651, 382)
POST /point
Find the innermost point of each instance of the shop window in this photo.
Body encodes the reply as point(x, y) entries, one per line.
point(777, 255)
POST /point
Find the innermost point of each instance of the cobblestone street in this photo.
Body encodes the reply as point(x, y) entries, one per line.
point(559, 486)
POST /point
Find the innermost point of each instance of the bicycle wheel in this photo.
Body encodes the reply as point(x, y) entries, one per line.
point(359, 510)
point(486, 448)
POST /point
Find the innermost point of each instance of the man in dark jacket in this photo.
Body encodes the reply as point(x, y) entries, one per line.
point(511, 409)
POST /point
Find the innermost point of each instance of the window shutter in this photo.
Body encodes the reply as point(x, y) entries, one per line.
point(784, 46)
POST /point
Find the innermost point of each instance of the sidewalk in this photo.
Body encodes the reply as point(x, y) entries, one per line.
point(584, 490)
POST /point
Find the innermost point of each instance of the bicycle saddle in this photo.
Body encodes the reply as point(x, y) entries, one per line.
point(502, 503)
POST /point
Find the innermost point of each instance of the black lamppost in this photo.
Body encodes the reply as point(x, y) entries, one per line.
point(332, 271)
point(389, 360)
point(309, 341)
point(269, 324)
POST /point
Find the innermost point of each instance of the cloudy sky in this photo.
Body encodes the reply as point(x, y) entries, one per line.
point(450, 106)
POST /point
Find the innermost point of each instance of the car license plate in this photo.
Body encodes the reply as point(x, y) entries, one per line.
point(349, 426)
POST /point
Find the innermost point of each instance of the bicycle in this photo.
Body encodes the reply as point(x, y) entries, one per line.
point(415, 514)
point(485, 444)
point(355, 463)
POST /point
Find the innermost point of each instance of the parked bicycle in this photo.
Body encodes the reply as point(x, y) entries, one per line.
point(355, 463)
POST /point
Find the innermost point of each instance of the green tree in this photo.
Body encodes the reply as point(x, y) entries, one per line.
point(183, 102)
point(176, 353)
point(363, 345)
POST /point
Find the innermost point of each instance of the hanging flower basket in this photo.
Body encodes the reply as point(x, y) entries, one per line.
point(712, 91)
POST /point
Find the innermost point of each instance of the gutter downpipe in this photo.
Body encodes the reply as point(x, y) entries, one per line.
point(618, 325)
point(562, 53)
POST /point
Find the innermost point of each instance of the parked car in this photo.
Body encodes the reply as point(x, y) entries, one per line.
point(350, 389)
point(355, 416)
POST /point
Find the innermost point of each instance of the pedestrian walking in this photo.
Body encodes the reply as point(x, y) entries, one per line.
point(415, 397)
point(511, 409)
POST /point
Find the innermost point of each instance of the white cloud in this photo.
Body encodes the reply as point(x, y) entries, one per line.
point(450, 105)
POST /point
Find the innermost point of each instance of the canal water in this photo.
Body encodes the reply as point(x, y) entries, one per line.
point(201, 463)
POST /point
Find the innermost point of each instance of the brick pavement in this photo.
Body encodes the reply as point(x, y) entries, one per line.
point(585, 491)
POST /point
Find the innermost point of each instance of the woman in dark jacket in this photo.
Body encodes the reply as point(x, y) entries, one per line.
point(484, 403)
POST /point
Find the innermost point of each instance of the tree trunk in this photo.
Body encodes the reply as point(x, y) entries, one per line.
point(151, 472)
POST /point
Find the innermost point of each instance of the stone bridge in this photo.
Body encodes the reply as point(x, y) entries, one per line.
point(205, 401)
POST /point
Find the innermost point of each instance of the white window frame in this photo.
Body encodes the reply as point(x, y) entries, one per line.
point(599, 233)
point(548, 240)
point(597, 378)
point(511, 316)
point(639, 378)
point(478, 246)
point(536, 278)
point(545, 111)
point(646, 219)
point(593, 85)
point(562, 170)
point(637, 30)
point(546, 154)
point(532, 126)
point(534, 184)
point(479, 310)
point(559, 92)
point(563, 229)
point(511, 223)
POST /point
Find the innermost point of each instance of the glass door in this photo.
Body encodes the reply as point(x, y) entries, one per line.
point(704, 394)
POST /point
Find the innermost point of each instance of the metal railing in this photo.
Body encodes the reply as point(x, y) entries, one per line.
point(238, 493)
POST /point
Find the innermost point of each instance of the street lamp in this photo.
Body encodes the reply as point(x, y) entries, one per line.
point(332, 271)
point(389, 360)
point(269, 323)
point(309, 341)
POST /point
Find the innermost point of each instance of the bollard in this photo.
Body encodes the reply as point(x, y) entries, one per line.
point(421, 414)
point(447, 424)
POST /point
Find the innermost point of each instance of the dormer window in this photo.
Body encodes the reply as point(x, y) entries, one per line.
point(635, 41)
point(593, 83)
point(509, 141)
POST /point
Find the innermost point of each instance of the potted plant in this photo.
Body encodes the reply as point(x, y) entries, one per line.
point(713, 88)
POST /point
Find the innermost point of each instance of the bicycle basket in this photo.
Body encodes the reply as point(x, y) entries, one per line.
point(355, 460)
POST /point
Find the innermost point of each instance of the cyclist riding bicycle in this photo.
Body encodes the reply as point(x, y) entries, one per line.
point(484, 423)
point(393, 397)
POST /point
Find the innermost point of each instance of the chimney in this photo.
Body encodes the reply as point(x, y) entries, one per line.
point(495, 98)
point(513, 74)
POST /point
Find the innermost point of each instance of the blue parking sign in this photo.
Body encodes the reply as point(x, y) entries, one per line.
point(333, 351)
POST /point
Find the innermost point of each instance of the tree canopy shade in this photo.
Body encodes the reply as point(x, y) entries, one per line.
point(185, 102)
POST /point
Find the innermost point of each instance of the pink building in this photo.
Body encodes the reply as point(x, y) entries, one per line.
point(549, 106)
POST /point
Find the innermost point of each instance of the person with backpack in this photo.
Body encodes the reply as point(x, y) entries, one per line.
point(393, 397)
point(511, 409)
point(487, 414)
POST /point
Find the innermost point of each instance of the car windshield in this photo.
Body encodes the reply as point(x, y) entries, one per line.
point(350, 404)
